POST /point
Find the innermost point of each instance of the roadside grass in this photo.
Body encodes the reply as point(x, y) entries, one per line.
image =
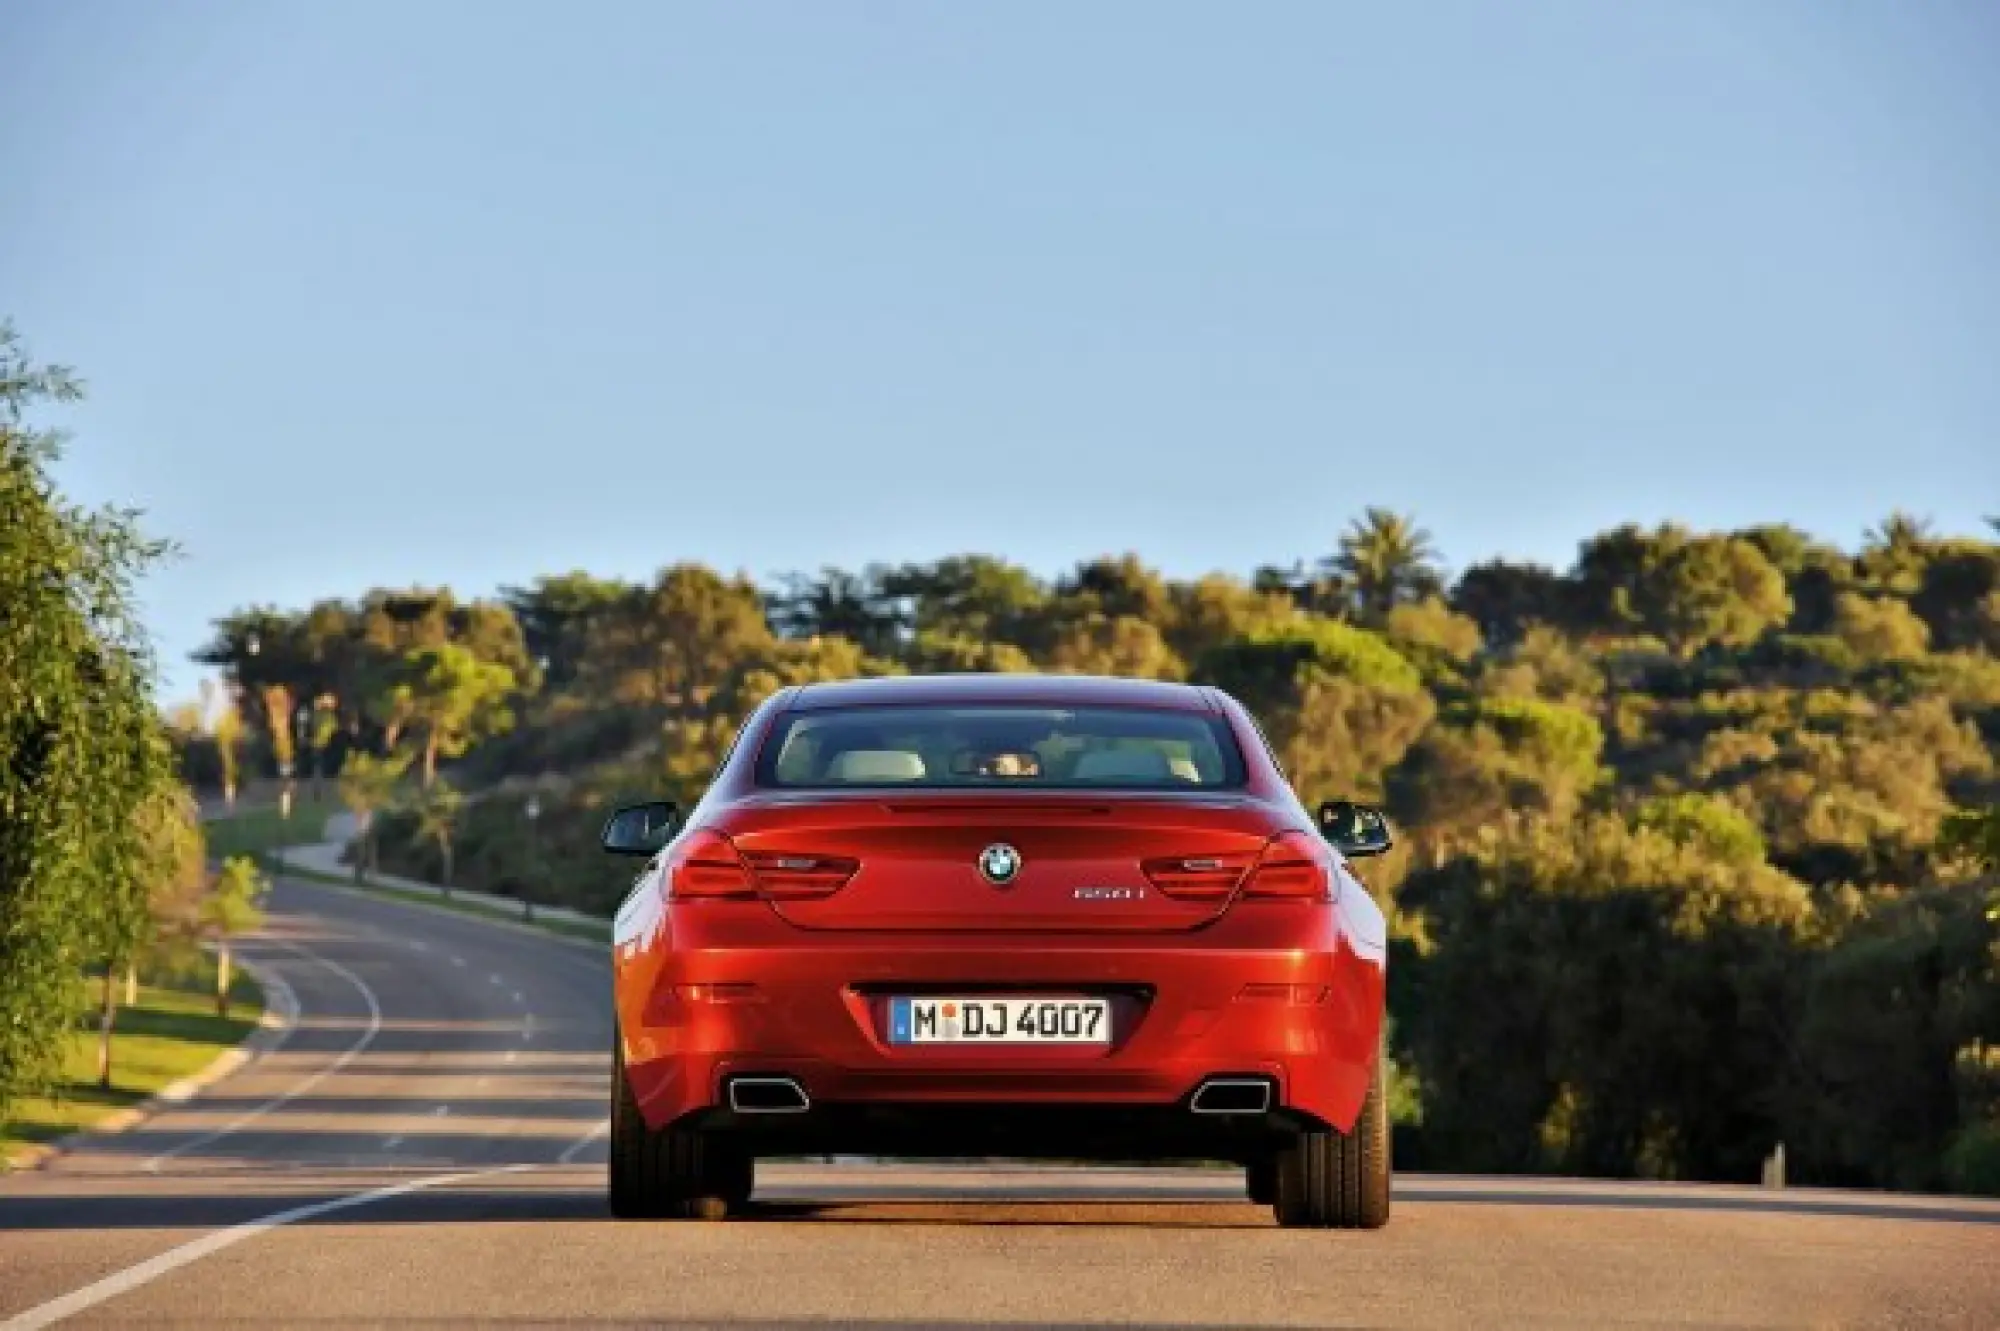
point(256, 831)
point(169, 1034)
point(568, 928)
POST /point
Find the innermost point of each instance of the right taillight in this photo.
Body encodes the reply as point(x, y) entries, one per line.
point(1294, 866)
point(705, 866)
point(1196, 877)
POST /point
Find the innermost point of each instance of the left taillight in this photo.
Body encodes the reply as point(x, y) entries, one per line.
point(706, 865)
point(790, 876)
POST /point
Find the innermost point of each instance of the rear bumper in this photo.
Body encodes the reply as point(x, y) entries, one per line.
point(709, 993)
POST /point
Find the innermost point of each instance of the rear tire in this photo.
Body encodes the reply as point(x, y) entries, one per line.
point(1339, 1180)
point(669, 1174)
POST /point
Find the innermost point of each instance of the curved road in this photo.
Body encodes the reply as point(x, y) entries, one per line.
point(424, 1148)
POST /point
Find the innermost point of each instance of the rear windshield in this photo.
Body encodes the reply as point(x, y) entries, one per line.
point(1042, 748)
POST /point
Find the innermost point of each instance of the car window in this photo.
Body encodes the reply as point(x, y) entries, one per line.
point(1110, 748)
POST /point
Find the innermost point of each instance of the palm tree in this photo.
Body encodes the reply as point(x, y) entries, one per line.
point(1386, 559)
point(1894, 554)
point(1899, 531)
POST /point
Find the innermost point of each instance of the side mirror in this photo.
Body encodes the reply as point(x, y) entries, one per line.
point(1356, 830)
point(640, 829)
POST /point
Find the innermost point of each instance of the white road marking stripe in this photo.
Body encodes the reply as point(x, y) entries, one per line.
point(391, 1143)
point(132, 1277)
point(458, 961)
point(495, 979)
point(347, 1056)
point(603, 1126)
point(419, 945)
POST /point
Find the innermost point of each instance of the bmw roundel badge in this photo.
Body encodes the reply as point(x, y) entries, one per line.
point(999, 863)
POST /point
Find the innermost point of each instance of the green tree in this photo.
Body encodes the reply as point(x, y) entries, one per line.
point(1506, 600)
point(82, 749)
point(838, 603)
point(233, 906)
point(557, 616)
point(1894, 553)
point(321, 729)
point(669, 646)
point(1608, 941)
point(1386, 559)
point(456, 698)
point(1122, 645)
point(1879, 628)
point(368, 786)
point(1338, 703)
point(437, 809)
point(1715, 590)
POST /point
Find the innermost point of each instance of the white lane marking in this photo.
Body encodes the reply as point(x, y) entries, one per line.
point(132, 1277)
point(347, 1056)
point(419, 945)
point(495, 979)
point(458, 961)
point(603, 1126)
point(391, 1143)
point(440, 1111)
point(518, 1000)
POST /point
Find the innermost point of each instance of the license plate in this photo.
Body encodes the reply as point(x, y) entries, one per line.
point(999, 1021)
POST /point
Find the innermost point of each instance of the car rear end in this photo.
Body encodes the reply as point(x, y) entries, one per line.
point(1194, 947)
point(1032, 928)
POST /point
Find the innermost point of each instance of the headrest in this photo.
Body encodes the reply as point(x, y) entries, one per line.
point(1123, 765)
point(876, 765)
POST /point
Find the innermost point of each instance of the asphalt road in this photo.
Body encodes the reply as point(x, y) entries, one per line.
point(424, 1150)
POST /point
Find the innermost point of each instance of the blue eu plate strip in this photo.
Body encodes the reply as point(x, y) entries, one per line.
point(899, 1021)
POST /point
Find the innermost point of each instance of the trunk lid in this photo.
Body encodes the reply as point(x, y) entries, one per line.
point(1083, 860)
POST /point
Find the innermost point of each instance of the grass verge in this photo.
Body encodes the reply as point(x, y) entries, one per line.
point(168, 1035)
point(254, 831)
point(590, 933)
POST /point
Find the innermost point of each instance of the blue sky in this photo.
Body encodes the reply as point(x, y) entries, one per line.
point(384, 293)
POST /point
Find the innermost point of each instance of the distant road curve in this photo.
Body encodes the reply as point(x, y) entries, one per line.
point(427, 1147)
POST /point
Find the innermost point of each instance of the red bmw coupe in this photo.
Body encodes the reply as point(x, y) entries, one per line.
point(1027, 916)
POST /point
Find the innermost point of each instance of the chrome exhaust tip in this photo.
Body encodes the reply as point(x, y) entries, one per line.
point(767, 1095)
point(1232, 1095)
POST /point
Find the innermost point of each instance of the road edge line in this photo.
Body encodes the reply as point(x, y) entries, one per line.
point(510, 926)
point(275, 1025)
point(144, 1273)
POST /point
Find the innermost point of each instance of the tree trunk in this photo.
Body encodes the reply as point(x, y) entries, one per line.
point(222, 978)
point(430, 756)
point(131, 983)
point(229, 792)
point(444, 849)
point(107, 1020)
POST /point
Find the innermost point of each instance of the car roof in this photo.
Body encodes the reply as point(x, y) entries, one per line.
point(1014, 690)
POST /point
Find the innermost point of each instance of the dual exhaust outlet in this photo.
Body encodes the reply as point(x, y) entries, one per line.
point(784, 1095)
point(1232, 1095)
point(767, 1095)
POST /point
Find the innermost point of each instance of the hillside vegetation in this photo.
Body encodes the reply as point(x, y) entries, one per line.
point(1698, 841)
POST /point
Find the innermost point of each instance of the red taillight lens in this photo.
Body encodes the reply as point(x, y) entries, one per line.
point(705, 866)
point(1196, 877)
point(1293, 865)
point(791, 876)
